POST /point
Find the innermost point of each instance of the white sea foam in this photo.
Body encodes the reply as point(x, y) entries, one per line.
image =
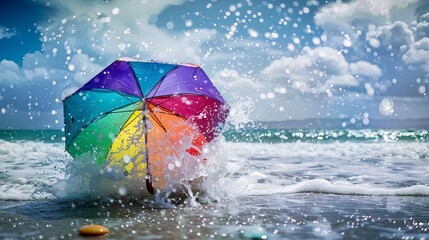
point(36, 170)
point(324, 186)
point(349, 150)
point(354, 168)
point(25, 165)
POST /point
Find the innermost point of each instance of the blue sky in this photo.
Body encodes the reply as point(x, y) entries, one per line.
point(272, 60)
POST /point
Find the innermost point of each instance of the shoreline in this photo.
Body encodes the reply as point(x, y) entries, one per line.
point(291, 216)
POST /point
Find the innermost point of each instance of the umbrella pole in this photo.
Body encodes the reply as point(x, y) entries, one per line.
point(149, 186)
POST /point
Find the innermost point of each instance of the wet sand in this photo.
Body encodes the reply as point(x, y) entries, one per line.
point(284, 216)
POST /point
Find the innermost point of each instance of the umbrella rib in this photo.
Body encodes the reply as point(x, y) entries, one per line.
point(168, 98)
point(101, 90)
point(156, 119)
point(124, 95)
point(122, 128)
point(129, 122)
point(181, 94)
point(98, 118)
point(162, 79)
point(166, 111)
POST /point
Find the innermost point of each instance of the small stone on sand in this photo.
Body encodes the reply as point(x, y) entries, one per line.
point(93, 230)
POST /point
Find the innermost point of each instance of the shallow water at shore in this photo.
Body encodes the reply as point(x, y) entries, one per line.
point(281, 216)
point(306, 189)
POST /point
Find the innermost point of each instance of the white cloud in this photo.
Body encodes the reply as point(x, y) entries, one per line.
point(35, 73)
point(388, 36)
point(34, 69)
point(341, 21)
point(84, 68)
point(363, 68)
point(313, 71)
point(6, 32)
point(418, 55)
point(342, 80)
point(92, 36)
point(339, 16)
point(235, 86)
point(97, 32)
point(9, 72)
point(382, 22)
point(31, 91)
point(422, 26)
point(397, 36)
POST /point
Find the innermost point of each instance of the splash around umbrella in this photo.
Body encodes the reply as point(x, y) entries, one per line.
point(144, 121)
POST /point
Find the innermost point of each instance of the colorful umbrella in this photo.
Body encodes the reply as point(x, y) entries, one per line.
point(144, 119)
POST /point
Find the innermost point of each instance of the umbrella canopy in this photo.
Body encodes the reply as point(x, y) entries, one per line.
point(144, 118)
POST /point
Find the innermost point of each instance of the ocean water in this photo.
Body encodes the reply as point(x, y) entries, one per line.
point(259, 184)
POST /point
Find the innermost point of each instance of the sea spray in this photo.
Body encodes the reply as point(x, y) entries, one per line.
point(217, 171)
point(239, 114)
point(223, 161)
point(203, 182)
point(37, 170)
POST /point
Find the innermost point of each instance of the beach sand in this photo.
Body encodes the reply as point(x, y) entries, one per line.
point(283, 216)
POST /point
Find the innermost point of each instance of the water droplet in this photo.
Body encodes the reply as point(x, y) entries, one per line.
point(422, 89)
point(188, 23)
point(386, 106)
point(169, 25)
point(253, 33)
point(171, 166)
point(115, 11)
point(71, 67)
point(347, 43)
point(122, 191)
